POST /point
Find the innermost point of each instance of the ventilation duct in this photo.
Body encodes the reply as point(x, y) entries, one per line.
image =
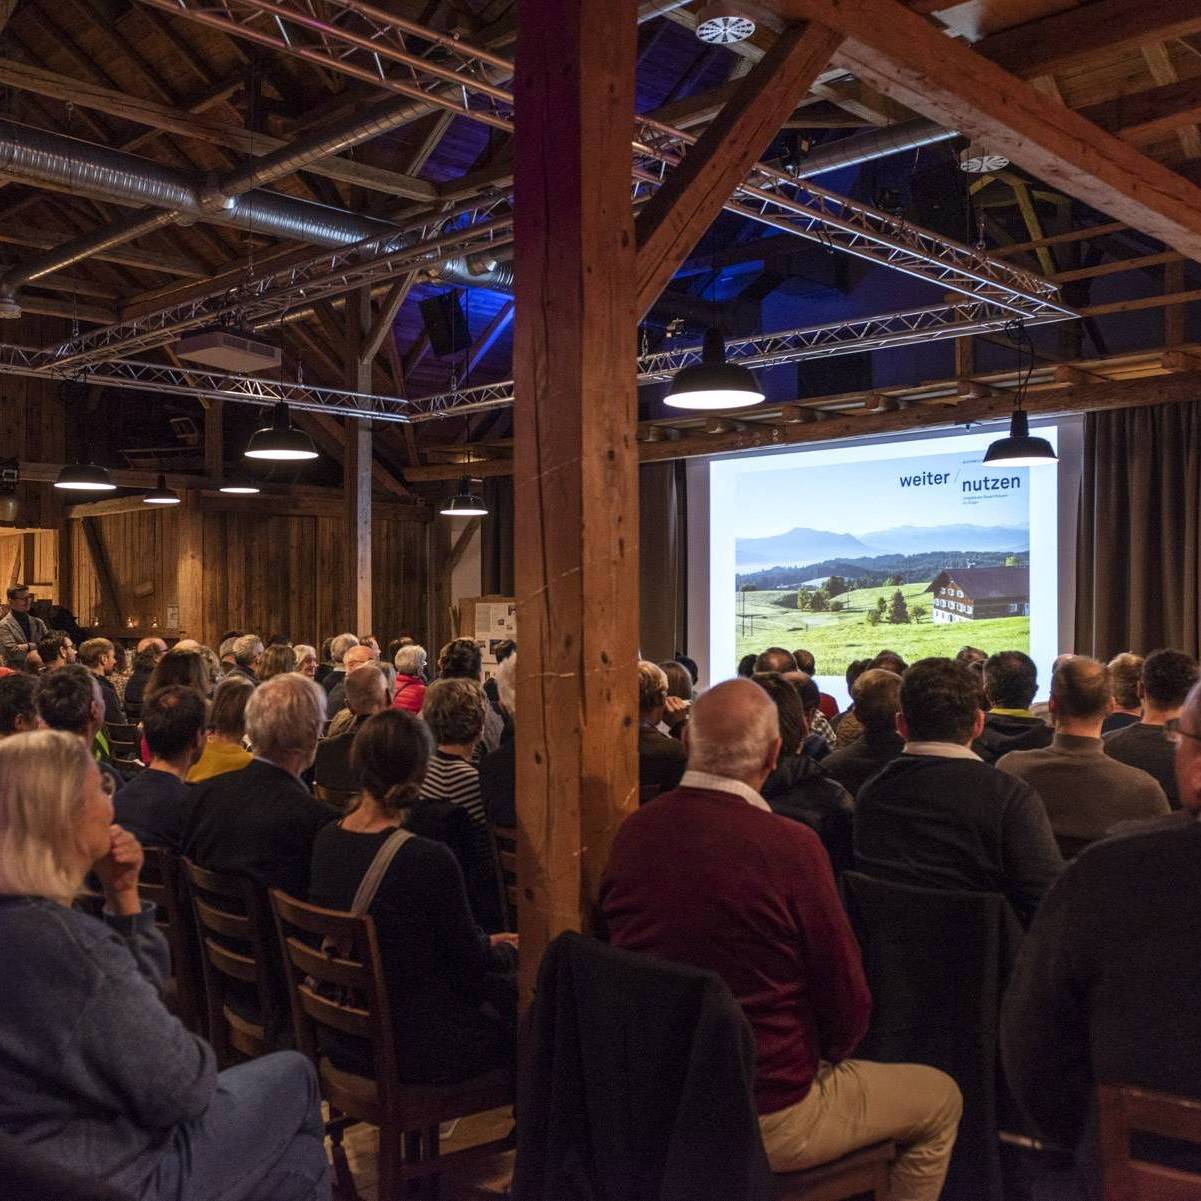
point(877, 143)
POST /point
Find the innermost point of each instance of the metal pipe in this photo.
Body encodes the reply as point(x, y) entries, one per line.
point(876, 143)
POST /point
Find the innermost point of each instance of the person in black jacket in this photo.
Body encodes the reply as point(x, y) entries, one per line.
point(366, 695)
point(149, 652)
point(799, 787)
point(937, 817)
point(451, 986)
point(1010, 683)
point(877, 696)
point(99, 656)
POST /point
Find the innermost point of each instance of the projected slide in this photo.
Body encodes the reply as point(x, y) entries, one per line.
point(915, 545)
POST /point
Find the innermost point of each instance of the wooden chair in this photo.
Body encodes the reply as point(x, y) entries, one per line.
point(1122, 1111)
point(162, 884)
point(862, 1173)
point(125, 747)
point(234, 935)
point(506, 854)
point(350, 995)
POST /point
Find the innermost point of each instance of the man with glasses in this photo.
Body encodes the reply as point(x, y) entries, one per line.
point(1108, 984)
point(20, 631)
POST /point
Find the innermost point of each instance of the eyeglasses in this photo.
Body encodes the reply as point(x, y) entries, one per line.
point(1173, 732)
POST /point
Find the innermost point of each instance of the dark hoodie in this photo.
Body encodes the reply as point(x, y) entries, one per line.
point(1004, 732)
point(801, 790)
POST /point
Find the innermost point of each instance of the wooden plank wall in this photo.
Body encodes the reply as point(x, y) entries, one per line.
point(266, 572)
point(32, 428)
point(14, 569)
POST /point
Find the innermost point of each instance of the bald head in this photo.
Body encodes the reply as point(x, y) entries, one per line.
point(359, 656)
point(734, 732)
point(157, 645)
point(184, 644)
point(1081, 695)
point(366, 690)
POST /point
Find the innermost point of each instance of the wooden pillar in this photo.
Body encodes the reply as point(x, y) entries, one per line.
point(576, 461)
point(357, 464)
point(189, 578)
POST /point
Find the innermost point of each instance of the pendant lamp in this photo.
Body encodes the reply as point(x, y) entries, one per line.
point(467, 502)
point(84, 477)
point(280, 441)
point(713, 383)
point(1020, 449)
point(160, 494)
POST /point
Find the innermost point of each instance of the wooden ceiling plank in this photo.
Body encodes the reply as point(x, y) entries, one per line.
point(1159, 63)
point(1149, 115)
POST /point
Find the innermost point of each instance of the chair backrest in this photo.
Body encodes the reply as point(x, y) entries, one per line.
point(1123, 1111)
point(336, 983)
point(340, 798)
point(124, 746)
point(162, 884)
point(235, 935)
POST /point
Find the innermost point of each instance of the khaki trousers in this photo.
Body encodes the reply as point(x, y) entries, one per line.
point(855, 1103)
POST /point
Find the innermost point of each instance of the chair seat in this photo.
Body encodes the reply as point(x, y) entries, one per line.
point(848, 1176)
point(423, 1104)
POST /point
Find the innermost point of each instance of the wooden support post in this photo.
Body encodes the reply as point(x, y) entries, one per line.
point(576, 467)
point(189, 578)
point(357, 464)
point(110, 601)
point(65, 590)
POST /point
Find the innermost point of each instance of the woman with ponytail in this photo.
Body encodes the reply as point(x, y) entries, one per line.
point(451, 985)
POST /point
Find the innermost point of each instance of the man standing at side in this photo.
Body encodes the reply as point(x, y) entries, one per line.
point(1166, 680)
point(1108, 983)
point(708, 875)
point(20, 631)
point(1085, 791)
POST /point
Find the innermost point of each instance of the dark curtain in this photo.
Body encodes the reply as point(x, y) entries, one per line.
point(1138, 568)
point(662, 568)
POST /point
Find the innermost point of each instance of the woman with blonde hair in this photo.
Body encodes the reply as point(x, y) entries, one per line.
point(111, 1085)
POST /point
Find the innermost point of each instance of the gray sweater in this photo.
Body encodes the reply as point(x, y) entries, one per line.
point(93, 1069)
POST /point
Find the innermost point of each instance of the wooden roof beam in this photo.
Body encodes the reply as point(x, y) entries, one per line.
point(1149, 115)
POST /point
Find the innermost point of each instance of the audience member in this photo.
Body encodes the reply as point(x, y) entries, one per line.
point(501, 650)
point(56, 650)
point(707, 875)
point(679, 682)
point(746, 666)
point(69, 700)
point(366, 694)
point(498, 769)
point(122, 669)
point(99, 656)
point(149, 652)
point(689, 665)
point(154, 805)
point(890, 661)
point(1010, 682)
point(223, 749)
point(20, 631)
point(661, 758)
point(973, 658)
point(451, 986)
point(410, 664)
point(98, 1076)
point(1084, 791)
point(808, 664)
point(877, 695)
point(225, 652)
point(356, 657)
point(1166, 680)
point(248, 657)
point(798, 787)
point(177, 669)
point(777, 659)
point(938, 817)
point(821, 739)
point(306, 659)
point(278, 660)
point(460, 659)
point(1126, 671)
point(18, 713)
point(847, 724)
point(454, 711)
point(337, 653)
point(1107, 982)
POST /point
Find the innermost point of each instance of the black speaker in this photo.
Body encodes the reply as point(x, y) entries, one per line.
point(445, 323)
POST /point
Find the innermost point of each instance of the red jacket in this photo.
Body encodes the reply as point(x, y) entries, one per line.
point(410, 693)
point(705, 878)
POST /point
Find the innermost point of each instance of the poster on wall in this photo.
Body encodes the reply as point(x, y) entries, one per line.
point(495, 622)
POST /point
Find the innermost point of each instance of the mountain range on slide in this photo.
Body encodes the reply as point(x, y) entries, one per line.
point(802, 545)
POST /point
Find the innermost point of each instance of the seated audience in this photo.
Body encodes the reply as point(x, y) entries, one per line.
point(451, 986)
point(248, 653)
point(746, 665)
point(808, 664)
point(821, 739)
point(306, 659)
point(154, 805)
point(337, 668)
point(498, 770)
point(358, 656)
point(679, 697)
point(1167, 678)
point(1126, 671)
point(20, 630)
point(694, 672)
point(973, 658)
point(178, 669)
point(776, 659)
point(890, 661)
point(260, 822)
point(454, 711)
point(707, 875)
point(1010, 682)
point(661, 758)
point(223, 749)
point(149, 652)
point(798, 787)
point(18, 713)
point(278, 660)
point(410, 664)
point(366, 694)
point(69, 700)
point(94, 1071)
point(1084, 791)
point(938, 817)
point(847, 725)
point(1107, 983)
point(461, 660)
point(225, 652)
point(57, 650)
point(99, 656)
point(877, 695)
point(500, 652)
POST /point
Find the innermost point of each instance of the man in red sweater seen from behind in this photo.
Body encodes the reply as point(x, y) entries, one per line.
point(707, 875)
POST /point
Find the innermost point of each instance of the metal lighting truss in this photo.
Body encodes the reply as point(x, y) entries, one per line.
point(761, 350)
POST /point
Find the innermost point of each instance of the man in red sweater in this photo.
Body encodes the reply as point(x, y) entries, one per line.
point(708, 875)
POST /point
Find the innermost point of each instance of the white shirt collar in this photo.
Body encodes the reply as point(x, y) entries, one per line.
point(940, 750)
point(708, 783)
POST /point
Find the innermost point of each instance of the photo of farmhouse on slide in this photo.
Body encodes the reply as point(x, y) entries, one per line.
point(921, 555)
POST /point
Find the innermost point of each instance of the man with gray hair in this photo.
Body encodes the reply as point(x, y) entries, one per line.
point(707, 875)
point(248, 657)
point(366, 693)
point(337, 652)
